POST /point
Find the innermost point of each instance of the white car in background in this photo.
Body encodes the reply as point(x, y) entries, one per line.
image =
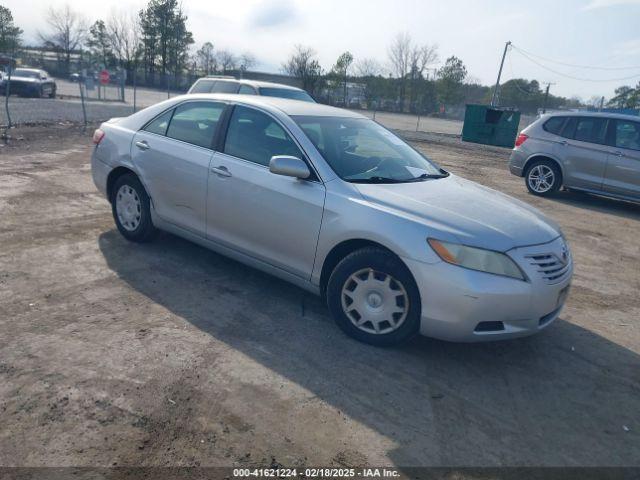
point(217, 84)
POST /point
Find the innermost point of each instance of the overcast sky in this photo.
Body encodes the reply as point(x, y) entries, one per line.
point(602, 33)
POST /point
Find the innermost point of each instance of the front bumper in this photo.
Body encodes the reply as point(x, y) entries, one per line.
point(464, 305)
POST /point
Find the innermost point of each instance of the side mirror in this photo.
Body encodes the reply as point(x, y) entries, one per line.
point(289, 166)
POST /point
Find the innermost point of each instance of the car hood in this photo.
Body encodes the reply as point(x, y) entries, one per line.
point(472, 214)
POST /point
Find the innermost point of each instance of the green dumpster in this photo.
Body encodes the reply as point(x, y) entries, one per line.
point(490, 125)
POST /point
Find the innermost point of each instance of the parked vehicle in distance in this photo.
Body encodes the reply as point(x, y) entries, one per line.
point(74, 77)
point(219, 84)
point(331, 201)
point(30, 82)
point(594, 152)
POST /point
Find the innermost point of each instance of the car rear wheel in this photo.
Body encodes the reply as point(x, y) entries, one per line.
point(543, 178)
point(131, 209)
point(373, 297)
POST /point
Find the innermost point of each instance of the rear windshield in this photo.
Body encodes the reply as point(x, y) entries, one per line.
point(286, 93)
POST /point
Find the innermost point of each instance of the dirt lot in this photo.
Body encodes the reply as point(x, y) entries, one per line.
point(167, 354)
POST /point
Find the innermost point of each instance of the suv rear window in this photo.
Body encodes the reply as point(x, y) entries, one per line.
point(225, 87)
point(554, 125)
point(202, 86)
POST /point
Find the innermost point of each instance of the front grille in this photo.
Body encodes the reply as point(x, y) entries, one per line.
point(551, 268)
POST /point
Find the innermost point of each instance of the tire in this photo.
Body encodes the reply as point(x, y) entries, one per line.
point(131, 209)
point(40, 93)
point(376, 299)
point(53, 93)
point(546, 170)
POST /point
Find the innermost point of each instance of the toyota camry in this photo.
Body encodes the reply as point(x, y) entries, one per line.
point(333, 202)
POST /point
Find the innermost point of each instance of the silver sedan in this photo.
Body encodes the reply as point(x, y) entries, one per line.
point(333, 202)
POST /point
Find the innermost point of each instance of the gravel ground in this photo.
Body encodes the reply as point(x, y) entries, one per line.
point(48, 110)
point(167, 354)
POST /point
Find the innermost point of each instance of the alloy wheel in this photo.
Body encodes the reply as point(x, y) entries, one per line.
point(541, 178)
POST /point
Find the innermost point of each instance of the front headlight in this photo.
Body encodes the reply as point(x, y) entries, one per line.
point(476, 259)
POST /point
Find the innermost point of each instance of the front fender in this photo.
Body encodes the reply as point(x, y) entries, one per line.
point(347, 216)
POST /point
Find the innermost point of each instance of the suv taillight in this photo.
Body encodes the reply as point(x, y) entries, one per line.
point(521, 139)
point(98, 135)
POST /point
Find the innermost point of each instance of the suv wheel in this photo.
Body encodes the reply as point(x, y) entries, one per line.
point(130, 208)
point(543, 177)
point(373, 297)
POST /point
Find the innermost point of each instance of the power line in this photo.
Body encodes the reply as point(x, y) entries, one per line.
point(589, 67)
point(582, 79)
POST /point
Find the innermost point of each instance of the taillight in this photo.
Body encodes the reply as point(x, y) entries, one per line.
point(98, 135)
point(521, 139)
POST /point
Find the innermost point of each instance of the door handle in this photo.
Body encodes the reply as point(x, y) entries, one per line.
point(618, 153)
point(143, 145)
point(221, 171)
point(564, 143)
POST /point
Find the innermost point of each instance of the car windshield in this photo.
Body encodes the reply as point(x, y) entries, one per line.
point(361, 151)
point(286, 93)
point(19, 72)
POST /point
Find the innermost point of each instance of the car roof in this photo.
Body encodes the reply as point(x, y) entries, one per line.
point(29, 69)
point(253, 83)
point(285, 105)
point(622, 116)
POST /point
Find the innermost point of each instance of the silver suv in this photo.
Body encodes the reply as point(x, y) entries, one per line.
point(593, 152)
point(221, 84)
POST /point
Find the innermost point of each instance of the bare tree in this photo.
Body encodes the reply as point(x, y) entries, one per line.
point(368, 67)
point(206, 58)
point(67, 31)
point(400, 55)
point(303, 65)
point(421, 58)
point(124, 34)
point(226, 60)
point(408, 61)
point(247, 60)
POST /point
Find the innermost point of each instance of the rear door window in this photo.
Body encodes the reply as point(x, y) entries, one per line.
point(196, 122)
point(202, 86)
point(225, 87)
point(591, 129)
point(554, 125)
point(627, 134)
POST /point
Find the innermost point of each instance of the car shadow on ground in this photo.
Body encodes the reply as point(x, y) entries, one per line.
point(562, 397)
point(593, 202)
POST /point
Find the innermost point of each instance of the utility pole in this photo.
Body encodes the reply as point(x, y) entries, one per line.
point(546, 97)
point(601, 104)
point(494, 98)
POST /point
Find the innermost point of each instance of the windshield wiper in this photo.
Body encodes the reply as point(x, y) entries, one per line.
point(426, 176)
point(376, 180)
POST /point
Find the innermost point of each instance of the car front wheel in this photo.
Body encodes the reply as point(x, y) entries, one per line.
point(373, 297)
point(131, 209)
point(543, 178)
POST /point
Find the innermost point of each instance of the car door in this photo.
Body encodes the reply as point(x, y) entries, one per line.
point(583, 152)
point(270, 217)
point(622, 176)
point(172, 154)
